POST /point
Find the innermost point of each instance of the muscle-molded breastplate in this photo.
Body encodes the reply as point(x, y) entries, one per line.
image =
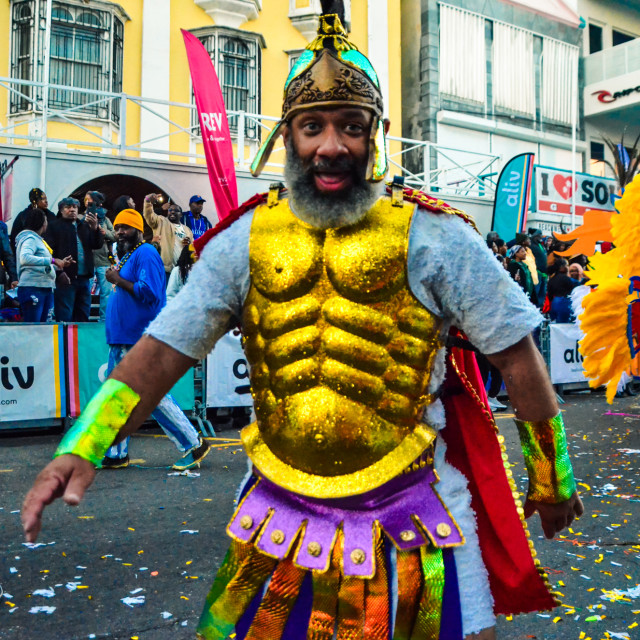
point(340, 350)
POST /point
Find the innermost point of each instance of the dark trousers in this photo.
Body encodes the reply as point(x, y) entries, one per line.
point(35, 303)
point(72, 302)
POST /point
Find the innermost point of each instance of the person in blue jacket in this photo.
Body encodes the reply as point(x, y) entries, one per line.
point(138, 297)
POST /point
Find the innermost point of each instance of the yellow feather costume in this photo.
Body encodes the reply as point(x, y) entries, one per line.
point(606, 345)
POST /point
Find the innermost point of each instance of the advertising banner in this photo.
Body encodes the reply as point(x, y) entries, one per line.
point(512, 196)
point(32, 377)
point(87, 359)
point(228, 374)
point(566, 359)
point(212, 114)
point(555, 189)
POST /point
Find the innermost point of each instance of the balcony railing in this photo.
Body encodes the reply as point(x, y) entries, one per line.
point(424, 165)
point(613, 62)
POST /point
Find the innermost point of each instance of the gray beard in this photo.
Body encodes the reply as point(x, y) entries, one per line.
point(124, 246)
point(323, 210)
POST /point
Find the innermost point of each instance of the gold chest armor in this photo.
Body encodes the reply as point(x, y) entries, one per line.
point(340, 350)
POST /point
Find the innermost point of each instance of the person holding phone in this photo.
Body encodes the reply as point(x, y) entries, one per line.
point(68, 236)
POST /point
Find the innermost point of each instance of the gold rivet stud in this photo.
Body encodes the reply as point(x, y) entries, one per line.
point(358, 556)
point(443, 530)
point(246, 522)
point(407, 536)
point(314, 549)
point(277, 536)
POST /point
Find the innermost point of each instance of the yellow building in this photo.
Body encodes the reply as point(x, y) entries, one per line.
point(118, 114)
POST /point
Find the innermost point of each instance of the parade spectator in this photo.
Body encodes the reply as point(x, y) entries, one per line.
point(36, 272)
point(102, 257)
point(37, 200)
point(557, 246)
point(194, 219)
point(69, 237)
point(519, 271)
point(7, 261)
point(180, 272)
point(120, 204)
point(560, 288)
point(173, 235)
point(523, 240)
point(576, 272)
point(138, 298)
point(540, 256)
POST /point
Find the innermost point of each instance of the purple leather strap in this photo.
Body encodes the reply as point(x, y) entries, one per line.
point(407, 508)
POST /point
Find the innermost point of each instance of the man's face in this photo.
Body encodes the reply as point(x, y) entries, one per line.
point(333, 146)
point(526, 242)
point(43, 203)
point(70, 212)
point(173, 213)
point(326, 164)
point(196, 207)
point(127, 238)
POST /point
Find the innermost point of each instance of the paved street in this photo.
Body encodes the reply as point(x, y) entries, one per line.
point(136, 559)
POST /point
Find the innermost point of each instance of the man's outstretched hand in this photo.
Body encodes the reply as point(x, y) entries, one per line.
point(555, 517)
point(66, 477)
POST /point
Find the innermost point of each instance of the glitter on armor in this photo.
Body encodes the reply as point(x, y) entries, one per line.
point(380, 163)
point(409, 572)
point(544, 445)
point(242, 575)
point(355, 58)
point(303, 63)
point(341, 352)
point(98, 425)
point(278, 602)
point(427, 623)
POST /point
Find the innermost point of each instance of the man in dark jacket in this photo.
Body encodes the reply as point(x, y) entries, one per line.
point(37, 200)
point(540, 255)
point(69, 236)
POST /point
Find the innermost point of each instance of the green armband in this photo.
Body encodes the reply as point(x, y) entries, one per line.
point(544, 445)
point(98, 425)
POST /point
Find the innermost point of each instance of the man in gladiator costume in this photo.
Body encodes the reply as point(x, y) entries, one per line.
point(380, 503)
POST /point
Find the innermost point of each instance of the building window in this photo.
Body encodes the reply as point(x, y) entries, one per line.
point(236, 56)
point(597, 166)
point(462, 69)
point(86, 53)
point(559, 81)
point(595, 38)
point(617, 37)
point(294, 56)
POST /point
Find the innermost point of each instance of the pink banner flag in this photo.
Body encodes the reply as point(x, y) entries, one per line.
point(216, 136)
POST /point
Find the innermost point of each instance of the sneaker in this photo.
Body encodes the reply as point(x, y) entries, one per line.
point(115, 463)
point(193, 458)
point(496, 405)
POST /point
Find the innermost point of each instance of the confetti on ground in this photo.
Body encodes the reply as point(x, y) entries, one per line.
point(136, 601)
point(36, 545)
point(190, 531)
point(187, 473)
point(45, 593)
point(47, 610)
point(166, 615)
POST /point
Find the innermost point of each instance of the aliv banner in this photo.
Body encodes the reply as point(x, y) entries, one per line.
point(512, 197)
point(214, 126)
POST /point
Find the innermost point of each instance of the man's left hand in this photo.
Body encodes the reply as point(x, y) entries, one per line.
point(14, 284)
point(555, 517)
point(112, 275)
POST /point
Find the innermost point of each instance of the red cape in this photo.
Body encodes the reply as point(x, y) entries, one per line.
point(472, 447)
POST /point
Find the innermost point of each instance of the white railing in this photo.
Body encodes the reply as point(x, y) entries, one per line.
point(424, 165)
point(612, 62)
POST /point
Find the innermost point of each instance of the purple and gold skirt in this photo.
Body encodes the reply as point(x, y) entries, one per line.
point(377, 566)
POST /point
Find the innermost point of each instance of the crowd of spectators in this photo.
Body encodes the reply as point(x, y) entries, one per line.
point(52, 264)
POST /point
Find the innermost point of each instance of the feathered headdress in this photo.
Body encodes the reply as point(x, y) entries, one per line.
point(332, 73)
